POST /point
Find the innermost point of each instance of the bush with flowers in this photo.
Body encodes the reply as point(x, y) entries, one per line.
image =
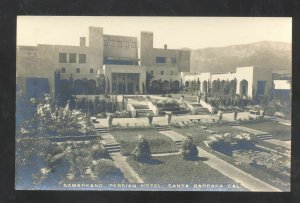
point(51, 119)
point(227, 142)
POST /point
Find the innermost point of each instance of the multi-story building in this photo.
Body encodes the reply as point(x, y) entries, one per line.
point(115, 58)
point(248, 82)
point(127, 67)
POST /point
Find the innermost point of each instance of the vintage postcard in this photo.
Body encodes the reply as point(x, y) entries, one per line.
point(153, 103)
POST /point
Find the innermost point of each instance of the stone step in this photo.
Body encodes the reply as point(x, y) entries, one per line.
point(162, 128)
point(102, 130)
point(178, 142)
point(111, 145)
point(265, 137)
point(113, 150)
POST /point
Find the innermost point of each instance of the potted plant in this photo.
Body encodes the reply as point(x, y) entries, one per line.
point(110, 118)
point(168, 117)
point(220, 115)
point(150, 118)
point(262, 113)
point(235, 113)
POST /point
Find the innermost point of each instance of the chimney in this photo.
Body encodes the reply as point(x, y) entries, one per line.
point(165, 46)
point(82, 42)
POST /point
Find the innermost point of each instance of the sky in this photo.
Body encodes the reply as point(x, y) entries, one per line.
point(176, 32)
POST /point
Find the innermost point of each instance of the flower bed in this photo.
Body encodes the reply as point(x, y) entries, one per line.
point(240, 149)
point(227, 142)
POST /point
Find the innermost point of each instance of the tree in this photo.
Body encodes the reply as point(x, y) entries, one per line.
point(108, 86)
point(232, 88)
point(149, 77)
point(51, 119)
point(226, 87)
point(97, 104)
point(189, 150)
point(101, 82)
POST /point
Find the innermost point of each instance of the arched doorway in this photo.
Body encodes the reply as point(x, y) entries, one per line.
point(204, 86)
point(215, 86)
point(175, 86)
point(91, 86)
point(78, 87)
point(166, 85)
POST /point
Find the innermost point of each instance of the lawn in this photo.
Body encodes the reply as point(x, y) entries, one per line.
point(222, 129)
point(173, 169)
point(159, 143)
point(199, 135)
point(279, 131)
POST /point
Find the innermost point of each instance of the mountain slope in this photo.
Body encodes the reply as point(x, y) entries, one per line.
point(276, 55)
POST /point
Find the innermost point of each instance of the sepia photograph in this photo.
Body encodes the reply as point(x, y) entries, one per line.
point(153, 103)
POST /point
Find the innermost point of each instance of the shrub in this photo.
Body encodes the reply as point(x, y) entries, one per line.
point(142, 150)
point(227, 143)
point(106, 171)
point(189, 149)
point(99, 152)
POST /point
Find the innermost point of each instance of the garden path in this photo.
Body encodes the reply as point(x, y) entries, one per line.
point(248, 181)
point(286, 144)
point(121, 162)
point(173, 135)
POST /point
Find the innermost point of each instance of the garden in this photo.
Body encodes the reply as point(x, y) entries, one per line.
point(48, 164)
point(43, 163)
point(128, 138)
point(241, 151)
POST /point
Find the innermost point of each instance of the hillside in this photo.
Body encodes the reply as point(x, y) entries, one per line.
point(276, 55)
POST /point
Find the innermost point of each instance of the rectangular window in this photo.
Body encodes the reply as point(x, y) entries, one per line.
point(111, 43)
point(72, 58)
point(91, 70)
point(62, 58)
point(105, 43)
point(119, 44)
point(160, 59)
point(77, 70)
point(126, 44)
point(172, 72)
point(162, 72)
point(133, 45)
point(173, 60)
point(151, 72)
point(63, 70)
point(82, 58)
